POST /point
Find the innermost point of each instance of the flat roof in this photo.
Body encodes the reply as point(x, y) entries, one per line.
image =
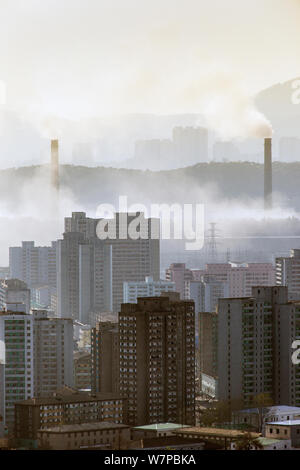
point(214, 432)
point(267, 442)
point(273, 409)
point(65, 428)
point(160, 427)
point(293, 422)
point(70, 398)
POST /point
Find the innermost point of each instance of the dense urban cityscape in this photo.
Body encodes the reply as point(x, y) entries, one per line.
point(150, 229)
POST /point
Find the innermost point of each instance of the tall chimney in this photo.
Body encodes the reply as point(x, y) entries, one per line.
point(268, 174)
point(54, 164)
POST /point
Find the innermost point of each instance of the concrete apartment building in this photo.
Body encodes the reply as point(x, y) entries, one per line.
point(16, 368)
point(63, 409)
point(288, 273)
point(208, 352)
point(82, 370)
point(255, 337)
point(101, 436)
point(148, 288)
point(14, 291)
point(105, 358)
point(35, 265)
point(83, 276)
point(178, 273)
point(53, 353)
point(157, 360)
point(91, 271)
point(240, 277)
point(205, 293)
point(190, 145)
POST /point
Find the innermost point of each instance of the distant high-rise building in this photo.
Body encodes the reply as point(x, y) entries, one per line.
point(4, 273)
point(16, 367)
point(190, 145)
point(148, 288)
point(91, 271)
point(157, 360)
point(205, 293)
point(241, 277)
point(179, 274)
point(14, 291)
point(83, 276)
point(208, 352)
point(105, 358)
point(35, 265)
point(288, 273)
point(53, 353)
point(255, 337)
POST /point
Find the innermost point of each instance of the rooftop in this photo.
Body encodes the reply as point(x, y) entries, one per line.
point(213, 432)
point(160, 427)
point(274, 409)
point(268, 442)
point(294, 422)
point(76, 397)
point(65, 428)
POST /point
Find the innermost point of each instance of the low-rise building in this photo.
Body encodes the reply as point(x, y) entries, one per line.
point(100, 435)
point(254, 416)
point(71, 408)
point(286, 430)
point(269, 444)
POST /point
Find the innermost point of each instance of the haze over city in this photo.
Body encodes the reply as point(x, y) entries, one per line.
point(150, 228)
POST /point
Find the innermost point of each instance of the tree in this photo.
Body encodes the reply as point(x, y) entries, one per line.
point(262, 402)
point(248, 442)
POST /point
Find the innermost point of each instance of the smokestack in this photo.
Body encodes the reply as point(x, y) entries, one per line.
point(54, 164)
point(268, 174)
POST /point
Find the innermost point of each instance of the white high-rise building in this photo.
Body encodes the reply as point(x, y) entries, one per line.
point(148, 288)
point(288, 273)
point(53, 353)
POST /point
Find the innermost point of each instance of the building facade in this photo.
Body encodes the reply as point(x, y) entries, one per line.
point(82, 370)
point(35, 265)
point(53, 353)
point(105, 359)
point(255, 338)
point(13, 291)
point(99, 436)
point(91, 269)
point(63, 409)
point(17, 372)
point(148, 288)
point(157, 360)
point(288, 273)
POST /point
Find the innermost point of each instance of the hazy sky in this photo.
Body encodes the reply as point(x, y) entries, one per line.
point(77, 58)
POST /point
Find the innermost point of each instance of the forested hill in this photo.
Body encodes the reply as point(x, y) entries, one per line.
point(91, 186)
